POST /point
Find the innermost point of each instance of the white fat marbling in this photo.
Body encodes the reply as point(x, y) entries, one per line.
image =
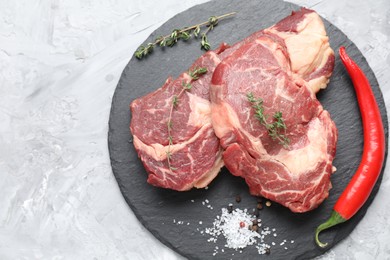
point(59, 197)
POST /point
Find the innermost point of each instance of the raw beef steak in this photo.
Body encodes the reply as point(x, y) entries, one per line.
point(284, 65)
point(195, 156)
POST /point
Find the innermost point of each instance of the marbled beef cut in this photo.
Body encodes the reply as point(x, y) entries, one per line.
point(196, 155)
point(285, 65)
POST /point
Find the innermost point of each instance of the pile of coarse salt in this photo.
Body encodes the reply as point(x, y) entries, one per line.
point(236, 228)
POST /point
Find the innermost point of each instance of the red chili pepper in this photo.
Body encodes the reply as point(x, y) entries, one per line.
point(361, 184)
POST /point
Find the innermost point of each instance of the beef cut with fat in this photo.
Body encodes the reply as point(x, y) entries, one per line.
point(195, 156)
point(284, 65)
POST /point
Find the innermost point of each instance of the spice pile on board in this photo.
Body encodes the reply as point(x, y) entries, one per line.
point(241, 229)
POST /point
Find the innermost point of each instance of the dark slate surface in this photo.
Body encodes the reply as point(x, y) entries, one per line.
point(158, 208)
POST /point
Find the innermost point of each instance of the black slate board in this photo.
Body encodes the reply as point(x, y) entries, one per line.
point(158, 208)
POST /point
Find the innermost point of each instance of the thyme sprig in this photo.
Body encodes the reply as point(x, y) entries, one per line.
point(274, 129)
point(194, 74)
point(182, 34)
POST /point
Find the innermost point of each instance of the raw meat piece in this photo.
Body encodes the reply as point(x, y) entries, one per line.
point(285, 65)
point(195, 154)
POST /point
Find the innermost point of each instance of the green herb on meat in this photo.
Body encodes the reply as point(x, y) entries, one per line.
point(274, 129)
point(182, 34)
point(194, 74)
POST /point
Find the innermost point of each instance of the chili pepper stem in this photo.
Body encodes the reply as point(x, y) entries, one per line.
point(334, 219)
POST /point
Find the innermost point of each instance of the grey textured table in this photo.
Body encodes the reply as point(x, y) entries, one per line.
point(60, 62)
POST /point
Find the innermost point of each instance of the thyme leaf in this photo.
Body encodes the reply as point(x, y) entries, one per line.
point(175, 101)
point(186, 86)
point(197, 31)
point(205, 43)
point(197, 72)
